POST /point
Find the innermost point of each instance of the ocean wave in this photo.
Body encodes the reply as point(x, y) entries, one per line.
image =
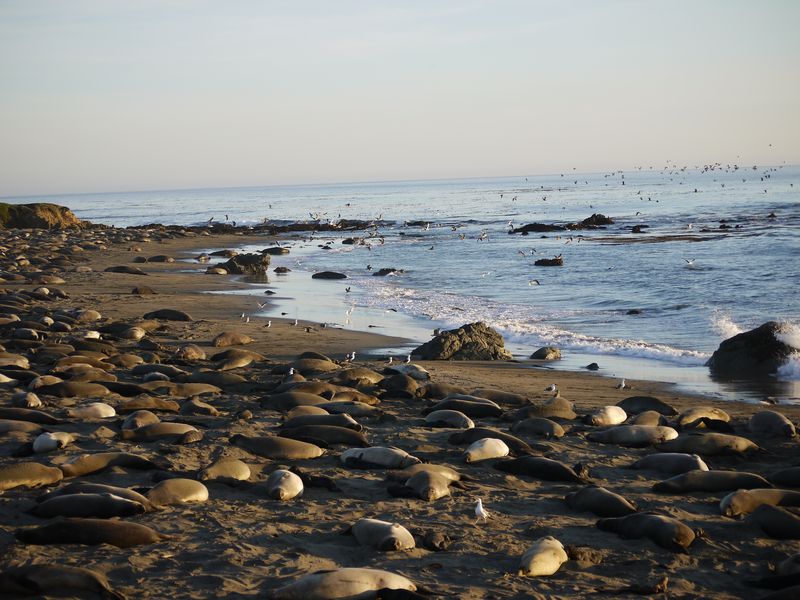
point(520, 325)
point(725, 326)
point(790, 370)
point(789, 334)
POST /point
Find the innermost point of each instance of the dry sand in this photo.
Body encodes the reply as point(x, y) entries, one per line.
point(240, 543)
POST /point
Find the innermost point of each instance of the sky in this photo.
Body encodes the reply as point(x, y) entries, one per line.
point(115, 95)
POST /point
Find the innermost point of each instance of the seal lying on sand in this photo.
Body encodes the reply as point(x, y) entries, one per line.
point(342, 583)
point(667, 532)
point(42, 579)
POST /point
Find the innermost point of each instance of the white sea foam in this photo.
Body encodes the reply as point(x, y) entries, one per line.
point(519, 324)
point(789, 334)
point(790, 370)
point(724, 326)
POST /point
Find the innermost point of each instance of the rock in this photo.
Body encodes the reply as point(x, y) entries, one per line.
point(592, 366)
point(556, 261)
point(386, 271)
point(547, 353)
point(275, 250)
point(634, 311)
point(475, 341)
point(596, 220)
point(282, 270)
point(247, 264)
point(40, 215)
point(759, 351)
point(126, 270)
point(328, 275)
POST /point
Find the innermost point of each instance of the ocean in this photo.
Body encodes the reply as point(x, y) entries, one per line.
point(718, 253)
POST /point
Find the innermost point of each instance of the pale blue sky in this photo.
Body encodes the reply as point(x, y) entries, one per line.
point(102, 95)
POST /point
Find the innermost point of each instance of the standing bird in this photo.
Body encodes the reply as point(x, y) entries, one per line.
point(480, 512)
point(408, 359)
point(621, 385)
point(390, 361)
point(269, 324)
point(551, 388)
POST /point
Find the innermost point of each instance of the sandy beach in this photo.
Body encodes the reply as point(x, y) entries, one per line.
point(242, 543)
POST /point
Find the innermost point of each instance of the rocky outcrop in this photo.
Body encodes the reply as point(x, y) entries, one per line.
point(328, 275)
point(252, 265)
point(547, 353)
point(596, 221)
point(39, 215)
point(756, 352)
point(475, 341)
point(556, 261)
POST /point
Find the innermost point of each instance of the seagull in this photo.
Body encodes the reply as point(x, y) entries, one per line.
point(347, 289)
point(408, 359)
point(480, 512)
point(533, 282)
point(269, 324)
point(263, 304)
point(690, 262)
point(247, 319)
point(551, 388)
point(689, 226)
point(390, 361)
point(291, 371)
point(295, 323)
point(621, 385)
point(243, 316)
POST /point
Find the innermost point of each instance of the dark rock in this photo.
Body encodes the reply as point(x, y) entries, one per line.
point(282, 270)
point(547, 353)
point(592, 367)
point(556, 261)
point(328, 275)
point(475, 341)
point(596, 220)
point(634, 311)
point(247, 264)
point(275, 250)
point(639, 228)
point(752, 353)
point(386, 271)
point(224, 253)
point(349, 241)
point(537, 228)
point(161, 258)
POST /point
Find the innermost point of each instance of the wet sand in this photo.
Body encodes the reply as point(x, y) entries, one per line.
point(241, 543)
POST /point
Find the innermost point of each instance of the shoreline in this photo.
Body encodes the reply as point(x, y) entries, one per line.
point(240, 543)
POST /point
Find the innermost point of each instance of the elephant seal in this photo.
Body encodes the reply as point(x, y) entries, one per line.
point(47, 442)
point(74, 389)
point(91, 532)
point(425, 485)
point(302, 411)
point(439, 391)
point(287, 400)
point(695, 414)
point(138, 419)
point(484, 449)
point(543, 558)
point(539, 426)
point(93, 410)
point(600, 501)
point(28, 474)
point(776, 522)
point(633, 436)
point(177, 491)
point(9, 425)
point(46, 580)
point(322, 419)
point(276, 447)
point(377, 457)
point(672, 463)
point(665, 531)
point(86, 464)
point(789, 477)
point(449, 418)
point(441, 470)
point(515, 445)
point(102, 506)
point(225, 470)
point(474, 410)
point(639, 404)
point(554, 408)
point(608, 415)
point(711, 481)
point(709, 444)
point(283, 485)
point(771, 423)
point(499, 396)
point(342, 583)
point(157, 431)
point(27, 414)
point(97, 488)
point(540, 467)
point(744, 502)
point(231, 338)
point(649, 418)
point(382, 535)
point(328, 434)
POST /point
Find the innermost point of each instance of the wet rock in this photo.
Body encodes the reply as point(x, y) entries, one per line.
point(475, 341)
point(547, 353)
point(756, 352)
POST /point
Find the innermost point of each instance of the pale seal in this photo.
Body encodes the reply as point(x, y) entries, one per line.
point(382, 535)
point(283, 485)
point(543, 558)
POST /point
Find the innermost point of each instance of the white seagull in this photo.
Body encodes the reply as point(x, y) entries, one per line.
point(551, 388)
point(480, 512)
point(621, 385)
point(408, 359)
point(269, 324)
